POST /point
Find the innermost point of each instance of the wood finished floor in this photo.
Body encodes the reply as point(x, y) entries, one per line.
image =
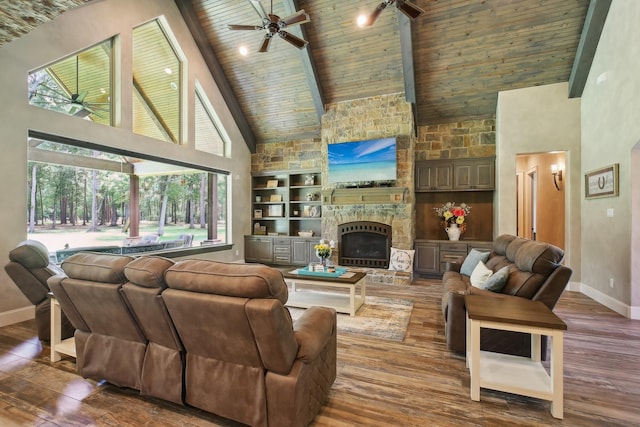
point(416, 382)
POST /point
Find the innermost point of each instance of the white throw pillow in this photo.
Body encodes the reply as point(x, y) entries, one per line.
point(401, 259)
point(480, 275)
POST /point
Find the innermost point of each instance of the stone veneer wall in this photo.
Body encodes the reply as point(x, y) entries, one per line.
point(469, 138)
point(371, 118)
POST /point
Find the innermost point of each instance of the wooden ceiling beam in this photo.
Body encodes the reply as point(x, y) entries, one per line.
point(591, 31)
point(406, 47)
point(290, 7)
point(198, 34)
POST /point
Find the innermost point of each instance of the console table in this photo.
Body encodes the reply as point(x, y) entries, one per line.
point(515, 374)
point(59, 347)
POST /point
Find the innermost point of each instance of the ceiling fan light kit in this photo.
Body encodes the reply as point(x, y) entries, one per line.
point(273, 24)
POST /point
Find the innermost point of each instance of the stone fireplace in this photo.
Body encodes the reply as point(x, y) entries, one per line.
point(364, 244)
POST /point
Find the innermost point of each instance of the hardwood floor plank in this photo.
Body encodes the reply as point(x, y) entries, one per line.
point(415, 382)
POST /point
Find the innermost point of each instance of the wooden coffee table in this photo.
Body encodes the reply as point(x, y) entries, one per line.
point(309, 291)
point(514, 374)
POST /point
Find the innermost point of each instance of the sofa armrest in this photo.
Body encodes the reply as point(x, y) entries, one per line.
point(313, 330)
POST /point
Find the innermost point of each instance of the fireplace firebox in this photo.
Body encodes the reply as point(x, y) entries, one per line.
point(364, 244)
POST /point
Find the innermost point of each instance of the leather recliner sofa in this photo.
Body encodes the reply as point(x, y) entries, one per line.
point(226, 345)
point(29, 268)
point(535, 272)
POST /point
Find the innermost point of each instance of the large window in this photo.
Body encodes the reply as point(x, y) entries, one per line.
point(79, 85)
point(156, 84)
point(82, 197)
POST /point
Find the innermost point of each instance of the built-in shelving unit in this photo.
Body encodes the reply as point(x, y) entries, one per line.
point(284, 204)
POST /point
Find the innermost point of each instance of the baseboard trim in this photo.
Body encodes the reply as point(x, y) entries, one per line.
point(609, 302)
point(17, 315)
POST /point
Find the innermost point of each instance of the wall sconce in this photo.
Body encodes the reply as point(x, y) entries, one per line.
point(557, 173)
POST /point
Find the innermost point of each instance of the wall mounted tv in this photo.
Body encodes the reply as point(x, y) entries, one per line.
point(362, 161)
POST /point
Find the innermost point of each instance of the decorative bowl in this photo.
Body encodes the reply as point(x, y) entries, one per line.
point(305, 233)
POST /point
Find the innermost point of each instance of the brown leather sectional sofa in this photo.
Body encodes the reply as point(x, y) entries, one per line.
point(535, 272)
point(207, 334)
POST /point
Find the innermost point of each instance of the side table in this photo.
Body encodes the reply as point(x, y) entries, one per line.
point(59, 347)
point(515, 374)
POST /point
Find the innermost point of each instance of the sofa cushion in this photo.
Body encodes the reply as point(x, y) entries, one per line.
point(96, 267)
point(148, 271)
point(480, 275)
point(472, 260)
point(496, 282)
point(228, 279)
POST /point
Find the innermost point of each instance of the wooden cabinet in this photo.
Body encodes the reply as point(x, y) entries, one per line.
point(426, 258)
point(472, 174)
point(258, 249)
point(434, 175)
point(283, 250)
point(431, 256)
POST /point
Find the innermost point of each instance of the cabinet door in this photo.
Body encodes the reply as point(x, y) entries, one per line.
point(434, 175)
point(463, 175)
point(258, 249)
point(483, 177)
point(427, 258)
point(300, 252)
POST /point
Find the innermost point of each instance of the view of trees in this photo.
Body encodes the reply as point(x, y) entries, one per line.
point(64, 195)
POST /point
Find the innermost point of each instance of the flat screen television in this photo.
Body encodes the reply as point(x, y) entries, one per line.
point(362, 161)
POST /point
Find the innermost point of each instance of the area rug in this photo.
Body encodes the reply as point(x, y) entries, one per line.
point(385, 318)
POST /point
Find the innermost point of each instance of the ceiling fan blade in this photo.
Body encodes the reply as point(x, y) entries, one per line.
point(244, 27)
point(82, 112)
point(264, 47)
point(294, 40)
point(376, 13)
point(81, 96)
point(298, 18)
point(409, 9)
point(259, 8)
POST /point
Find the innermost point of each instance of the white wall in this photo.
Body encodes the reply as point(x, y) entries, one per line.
point(73, 31)
point(610, 131)
point(537, 120)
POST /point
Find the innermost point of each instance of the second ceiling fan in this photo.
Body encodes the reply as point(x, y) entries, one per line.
point(275, 25)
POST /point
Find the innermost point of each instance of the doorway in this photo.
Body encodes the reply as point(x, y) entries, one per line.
point(541, 199)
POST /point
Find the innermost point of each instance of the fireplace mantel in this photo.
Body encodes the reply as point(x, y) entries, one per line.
point(358, 196)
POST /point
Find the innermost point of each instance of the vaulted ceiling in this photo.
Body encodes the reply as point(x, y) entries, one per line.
point(450, 62)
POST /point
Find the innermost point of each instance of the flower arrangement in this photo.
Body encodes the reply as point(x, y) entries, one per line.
point(449, 213)
point(323, 250)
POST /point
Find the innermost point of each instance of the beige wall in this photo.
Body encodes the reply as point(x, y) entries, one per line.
point(611, 132)
point(537, 120)
point(71, 32)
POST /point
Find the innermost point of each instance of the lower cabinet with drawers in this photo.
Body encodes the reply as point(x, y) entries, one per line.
point(286, 250)
point(431, 256)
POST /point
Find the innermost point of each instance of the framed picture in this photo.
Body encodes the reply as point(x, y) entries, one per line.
point(275, 198)
point(602, 182)
point(275, 210)
point(257, 213)
point(272, 183)
point(314, 211)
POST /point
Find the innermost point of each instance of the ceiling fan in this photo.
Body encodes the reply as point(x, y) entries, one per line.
point(409, 9)
point(276, 25)
point(51, 93)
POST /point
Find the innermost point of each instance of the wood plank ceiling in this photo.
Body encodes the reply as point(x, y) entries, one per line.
point(463, 53)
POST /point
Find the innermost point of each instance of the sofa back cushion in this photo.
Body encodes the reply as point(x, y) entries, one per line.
point(534, 262)
point(228, 279)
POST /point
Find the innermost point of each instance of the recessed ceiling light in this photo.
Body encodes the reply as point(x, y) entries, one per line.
point(168, 70)
point(362, 20)
point(173, 86)
point(243, 50)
